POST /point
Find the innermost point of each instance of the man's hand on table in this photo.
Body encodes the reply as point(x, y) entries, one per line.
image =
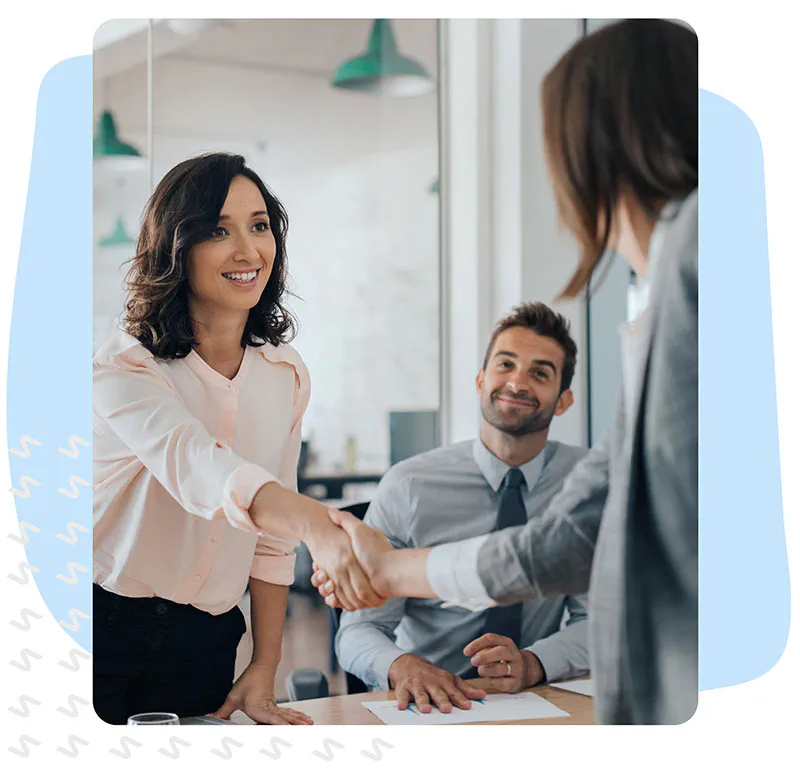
point(499, 659)
point(416, 680)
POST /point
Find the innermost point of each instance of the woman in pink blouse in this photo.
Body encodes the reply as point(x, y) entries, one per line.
point(198, 404)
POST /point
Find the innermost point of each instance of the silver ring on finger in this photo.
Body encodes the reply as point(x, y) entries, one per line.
point(508, 664)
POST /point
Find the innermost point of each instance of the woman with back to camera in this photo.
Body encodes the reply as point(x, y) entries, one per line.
point(198, 404)
point(620, 131)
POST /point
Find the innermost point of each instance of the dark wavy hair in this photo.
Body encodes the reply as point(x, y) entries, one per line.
point(183, 210)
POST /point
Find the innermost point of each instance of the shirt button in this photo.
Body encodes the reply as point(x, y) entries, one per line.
point(213, 540)
point(161, 608)
point(232, 387)
point(198, 577)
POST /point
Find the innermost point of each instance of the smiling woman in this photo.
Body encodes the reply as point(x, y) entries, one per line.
point(213, 214)
point(198, 404)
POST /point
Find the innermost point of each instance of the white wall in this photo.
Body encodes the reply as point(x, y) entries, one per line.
point(503, 241)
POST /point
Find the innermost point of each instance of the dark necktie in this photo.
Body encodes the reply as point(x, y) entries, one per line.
point(510, 513)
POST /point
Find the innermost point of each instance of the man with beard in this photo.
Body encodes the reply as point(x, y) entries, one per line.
point(422, 649)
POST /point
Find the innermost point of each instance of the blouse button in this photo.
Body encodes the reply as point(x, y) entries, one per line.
point(232, 387)
point(197, 577)
point(213, 540)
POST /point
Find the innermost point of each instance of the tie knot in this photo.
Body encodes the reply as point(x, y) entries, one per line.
point(514, 478)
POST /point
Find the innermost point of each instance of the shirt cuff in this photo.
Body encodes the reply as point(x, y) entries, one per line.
point(240, 489)
point(274, 569)
point(452, 571)
point(379, 668)
point(554, 662)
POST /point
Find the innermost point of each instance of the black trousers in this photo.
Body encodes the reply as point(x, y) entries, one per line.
point(154, 655)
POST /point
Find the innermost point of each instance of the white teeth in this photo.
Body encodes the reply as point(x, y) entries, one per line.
point(241, 276)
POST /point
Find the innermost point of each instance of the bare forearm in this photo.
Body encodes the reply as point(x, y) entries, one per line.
point(283, 512)
point(267, 612)
point(403, 573)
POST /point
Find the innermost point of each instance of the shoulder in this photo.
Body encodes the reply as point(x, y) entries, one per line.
point(439, 459)
point(562, 457)
point(287, 354)
point(681, 244)
point(122, 349)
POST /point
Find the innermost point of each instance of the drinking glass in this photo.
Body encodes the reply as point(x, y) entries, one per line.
point(154, 719)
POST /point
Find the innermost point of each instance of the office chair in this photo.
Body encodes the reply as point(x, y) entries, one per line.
point(304, 684)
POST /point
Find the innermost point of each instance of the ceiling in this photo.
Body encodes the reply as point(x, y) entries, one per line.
point(300, 44)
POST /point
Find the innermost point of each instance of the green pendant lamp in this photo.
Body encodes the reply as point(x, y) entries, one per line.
point(382, 69)
point(109, 150)
point(117, 237)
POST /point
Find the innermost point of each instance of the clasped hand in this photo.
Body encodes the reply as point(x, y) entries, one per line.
point(347, 563)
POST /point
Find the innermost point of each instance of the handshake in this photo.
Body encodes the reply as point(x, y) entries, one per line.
point(352, 563)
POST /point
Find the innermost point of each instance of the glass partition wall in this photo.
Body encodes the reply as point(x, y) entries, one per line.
point(353, 155)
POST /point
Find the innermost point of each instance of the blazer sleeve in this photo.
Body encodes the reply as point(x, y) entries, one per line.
point(553, 554)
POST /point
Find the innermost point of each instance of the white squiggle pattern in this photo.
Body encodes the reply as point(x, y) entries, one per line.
point(276, 753)
point(174, 741)
point(73, 700)
point(226, 751)
point(73, 527)
point(24, 741)
point(25, 492)
point(73, 751)
point(73, 576)
point(74, 614)
point(24, 529)
point(26, 654)
point(23, 710)
point(74, 665)
point(74, 453)
point(328, 745)
point(24, 576)
point(25, 452)
point(377, 753)
point(73, 493)
point(125, 744)
point(25, 614)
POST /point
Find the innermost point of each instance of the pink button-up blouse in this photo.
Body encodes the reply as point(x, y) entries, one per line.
point(179, 453)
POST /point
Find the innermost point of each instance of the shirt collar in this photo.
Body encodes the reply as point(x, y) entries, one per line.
point(494, 470)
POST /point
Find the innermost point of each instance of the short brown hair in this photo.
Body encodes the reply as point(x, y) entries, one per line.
point(542, 320)
point(620, 114)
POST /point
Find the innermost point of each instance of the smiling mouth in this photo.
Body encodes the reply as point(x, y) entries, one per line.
point(515, 401)
point(242, 278)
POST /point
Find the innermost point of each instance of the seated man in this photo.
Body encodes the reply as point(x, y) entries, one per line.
point(422, 649)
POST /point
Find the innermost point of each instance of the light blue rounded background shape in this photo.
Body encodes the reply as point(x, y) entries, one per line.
point(744, 582)
point(743, 570)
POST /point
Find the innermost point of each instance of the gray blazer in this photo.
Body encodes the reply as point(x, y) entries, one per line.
point(625, 524)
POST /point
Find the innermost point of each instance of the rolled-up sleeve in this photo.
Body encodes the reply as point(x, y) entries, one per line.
point(452, 571)
point(205, 476)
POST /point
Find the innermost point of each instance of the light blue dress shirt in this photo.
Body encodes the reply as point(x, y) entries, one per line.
point(446, 495)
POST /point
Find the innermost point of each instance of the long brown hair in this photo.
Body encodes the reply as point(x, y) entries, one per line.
point(620, 115)
point(183, 210)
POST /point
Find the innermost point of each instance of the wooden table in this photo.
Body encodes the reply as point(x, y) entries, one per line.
point(347, 710)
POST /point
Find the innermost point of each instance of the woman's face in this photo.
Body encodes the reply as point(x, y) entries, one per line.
point(230, 269)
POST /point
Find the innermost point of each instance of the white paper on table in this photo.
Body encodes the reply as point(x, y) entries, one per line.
point(495, 707)
point(585, 687)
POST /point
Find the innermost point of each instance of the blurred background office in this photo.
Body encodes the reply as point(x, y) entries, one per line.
point(408, 155)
